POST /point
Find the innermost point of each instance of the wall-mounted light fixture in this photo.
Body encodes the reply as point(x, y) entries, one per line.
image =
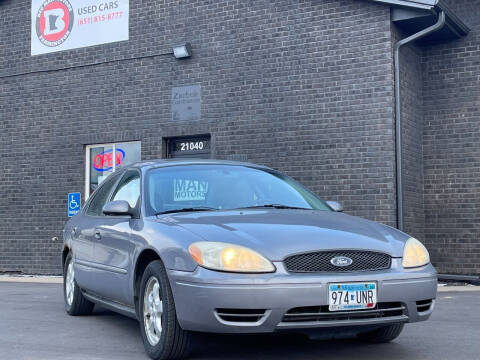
point(182, 51)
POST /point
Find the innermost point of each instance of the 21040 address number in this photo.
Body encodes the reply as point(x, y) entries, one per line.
point(189, 146)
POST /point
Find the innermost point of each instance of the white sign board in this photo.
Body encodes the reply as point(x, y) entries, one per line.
point(59, 25)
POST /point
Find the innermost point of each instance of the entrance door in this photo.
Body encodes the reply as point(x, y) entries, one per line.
point(189, 147)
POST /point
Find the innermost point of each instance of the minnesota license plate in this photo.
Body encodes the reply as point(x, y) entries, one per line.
point(352, 296)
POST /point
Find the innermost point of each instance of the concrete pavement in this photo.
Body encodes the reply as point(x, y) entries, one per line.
point(34, 326)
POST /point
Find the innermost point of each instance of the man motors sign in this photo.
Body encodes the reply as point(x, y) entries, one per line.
point(69, 24)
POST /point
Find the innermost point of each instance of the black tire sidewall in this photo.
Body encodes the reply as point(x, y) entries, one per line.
point(157, 270)
point(80, 305)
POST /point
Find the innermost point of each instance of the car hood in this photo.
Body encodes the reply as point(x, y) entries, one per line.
point(278, 233)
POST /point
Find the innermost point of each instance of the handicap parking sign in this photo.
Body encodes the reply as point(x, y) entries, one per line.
point(73, 203)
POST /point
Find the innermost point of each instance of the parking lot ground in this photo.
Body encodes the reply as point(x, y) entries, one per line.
point(34, 326)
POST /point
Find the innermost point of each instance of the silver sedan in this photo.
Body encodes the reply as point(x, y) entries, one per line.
point(226, 247)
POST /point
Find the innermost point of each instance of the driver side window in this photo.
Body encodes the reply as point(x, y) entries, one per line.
point(100, 196)
point(129, 188)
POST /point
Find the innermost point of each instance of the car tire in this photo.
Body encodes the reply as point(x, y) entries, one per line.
point(382, 335)
point(75, 302)
point(163, 337)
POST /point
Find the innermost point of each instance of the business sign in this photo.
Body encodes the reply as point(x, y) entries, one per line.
point(104, 161)
point(59, 25)
point(188, 190)
point(186, 103)
point(74, 203)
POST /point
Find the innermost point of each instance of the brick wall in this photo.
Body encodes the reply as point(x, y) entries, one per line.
point(302, 86)
point(452, 147)
point(411, 88)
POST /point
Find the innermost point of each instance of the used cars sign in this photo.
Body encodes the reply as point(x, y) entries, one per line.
point(66, 24)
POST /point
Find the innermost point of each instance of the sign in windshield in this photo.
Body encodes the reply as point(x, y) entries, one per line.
point(224, 187)
point(187, 189)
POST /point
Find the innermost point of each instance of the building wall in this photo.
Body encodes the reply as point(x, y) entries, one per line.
point(451, 147)
point(302, 86)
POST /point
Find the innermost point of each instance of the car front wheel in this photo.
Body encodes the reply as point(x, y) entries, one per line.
point(75, 302)
point(162, 335)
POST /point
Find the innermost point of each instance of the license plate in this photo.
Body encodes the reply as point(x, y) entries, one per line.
point(352, 296)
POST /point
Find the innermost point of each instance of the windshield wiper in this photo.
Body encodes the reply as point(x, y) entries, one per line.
point(190, 209)
point(274, 206)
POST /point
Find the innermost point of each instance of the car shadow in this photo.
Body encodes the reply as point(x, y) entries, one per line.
point(268, 346)
point(114, 319)
point(291, 346)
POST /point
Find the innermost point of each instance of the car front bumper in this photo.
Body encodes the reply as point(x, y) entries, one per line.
point(202, 296)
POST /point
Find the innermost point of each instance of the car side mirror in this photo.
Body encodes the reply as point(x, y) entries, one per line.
point(335, 205)
point(117, 208)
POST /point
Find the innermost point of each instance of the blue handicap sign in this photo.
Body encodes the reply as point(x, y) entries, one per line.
point(74, 203)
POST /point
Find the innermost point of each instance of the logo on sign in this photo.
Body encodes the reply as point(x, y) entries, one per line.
point(104, 161)
point(185, 190)
point(341, 261)
point(54, 22)
point(74, 204)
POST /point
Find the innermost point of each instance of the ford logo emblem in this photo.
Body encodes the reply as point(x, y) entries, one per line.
point(341, 261)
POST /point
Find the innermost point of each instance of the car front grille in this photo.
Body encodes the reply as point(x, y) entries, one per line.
point(241, 315)
point(319, 261)
point(322, 314)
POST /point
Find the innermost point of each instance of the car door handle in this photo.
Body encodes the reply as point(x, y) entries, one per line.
point(98, 235)
point(74, 231)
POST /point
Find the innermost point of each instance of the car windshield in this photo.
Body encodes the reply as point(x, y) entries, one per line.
point(223, 187)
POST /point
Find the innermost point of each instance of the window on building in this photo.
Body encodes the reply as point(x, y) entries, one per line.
point(104, 159)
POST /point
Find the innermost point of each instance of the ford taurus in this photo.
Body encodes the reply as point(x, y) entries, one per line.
point(226, 247)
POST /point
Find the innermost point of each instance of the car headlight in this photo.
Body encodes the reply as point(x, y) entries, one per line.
point(415, 254)
point(228, 257)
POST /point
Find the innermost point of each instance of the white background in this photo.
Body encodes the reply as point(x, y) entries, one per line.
point(87, 34)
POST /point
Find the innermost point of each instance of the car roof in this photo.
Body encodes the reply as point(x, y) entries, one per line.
point(148, 164)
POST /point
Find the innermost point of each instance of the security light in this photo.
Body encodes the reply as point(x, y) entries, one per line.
point(182, 51)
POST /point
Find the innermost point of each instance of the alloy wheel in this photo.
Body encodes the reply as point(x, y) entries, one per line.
point(70, 284)
point(152, 311)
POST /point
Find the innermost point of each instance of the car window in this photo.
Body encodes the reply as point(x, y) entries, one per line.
point(223, 187)
point(100, 196)
point(128, 188)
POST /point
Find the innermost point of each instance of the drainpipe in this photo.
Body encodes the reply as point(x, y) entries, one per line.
point(398, 109)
